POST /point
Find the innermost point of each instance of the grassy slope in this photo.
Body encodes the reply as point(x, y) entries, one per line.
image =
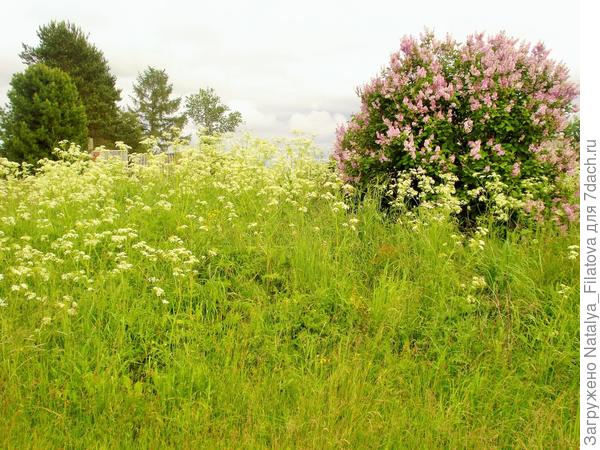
point(290, 336)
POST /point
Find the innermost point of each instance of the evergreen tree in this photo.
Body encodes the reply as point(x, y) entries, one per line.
point(153, 104)
point(65, 46)
point(128, 129)
point(206, 111)
point(44, 108)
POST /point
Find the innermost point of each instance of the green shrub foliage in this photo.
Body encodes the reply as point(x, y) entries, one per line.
point(478, 125)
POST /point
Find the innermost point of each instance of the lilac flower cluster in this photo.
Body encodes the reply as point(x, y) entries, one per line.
point(491, 105)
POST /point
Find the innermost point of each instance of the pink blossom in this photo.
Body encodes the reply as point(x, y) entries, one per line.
point(475, 147)
point(487, 100)
point(475, 104)
point(486, 71)
point(468, 125)
point(407, 44)
point(570, 211)
point(516, 170)
point(381, 139)
point(393, 132)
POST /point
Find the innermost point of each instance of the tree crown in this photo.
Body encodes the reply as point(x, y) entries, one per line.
point(65, 46)
point(44, 109)
point(208, 112)
point(153, 102)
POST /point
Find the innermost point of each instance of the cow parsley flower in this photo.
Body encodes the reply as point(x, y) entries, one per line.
point(158, 291)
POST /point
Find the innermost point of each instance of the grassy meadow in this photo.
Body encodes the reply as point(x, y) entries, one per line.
point(224, 302)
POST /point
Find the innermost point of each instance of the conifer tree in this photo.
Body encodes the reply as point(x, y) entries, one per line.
point(65, 46)
point(44, 108)
point(154, 105)
point(128, 129)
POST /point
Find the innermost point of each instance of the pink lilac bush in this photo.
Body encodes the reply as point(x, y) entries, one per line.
point(492, 110)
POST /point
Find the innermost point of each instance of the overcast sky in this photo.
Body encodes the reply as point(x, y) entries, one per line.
point(283, 65)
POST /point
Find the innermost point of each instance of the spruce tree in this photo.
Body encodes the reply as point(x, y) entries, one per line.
point(44, 108)
point(153, 104)
point(128, 129)
point(65, 46)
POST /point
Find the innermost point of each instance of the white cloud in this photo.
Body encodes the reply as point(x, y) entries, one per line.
point(322, 124)
point(254, 119)
point(289, 65)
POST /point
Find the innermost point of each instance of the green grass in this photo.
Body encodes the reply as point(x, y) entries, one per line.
point(329, 328)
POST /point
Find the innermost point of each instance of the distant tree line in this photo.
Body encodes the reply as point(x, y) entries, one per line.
point(68, 92)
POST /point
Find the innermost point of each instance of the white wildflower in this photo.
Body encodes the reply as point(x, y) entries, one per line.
point(158, 291)
point(478, 282)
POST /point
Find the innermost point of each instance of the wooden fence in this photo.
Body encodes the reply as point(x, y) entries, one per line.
point(123, 155)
